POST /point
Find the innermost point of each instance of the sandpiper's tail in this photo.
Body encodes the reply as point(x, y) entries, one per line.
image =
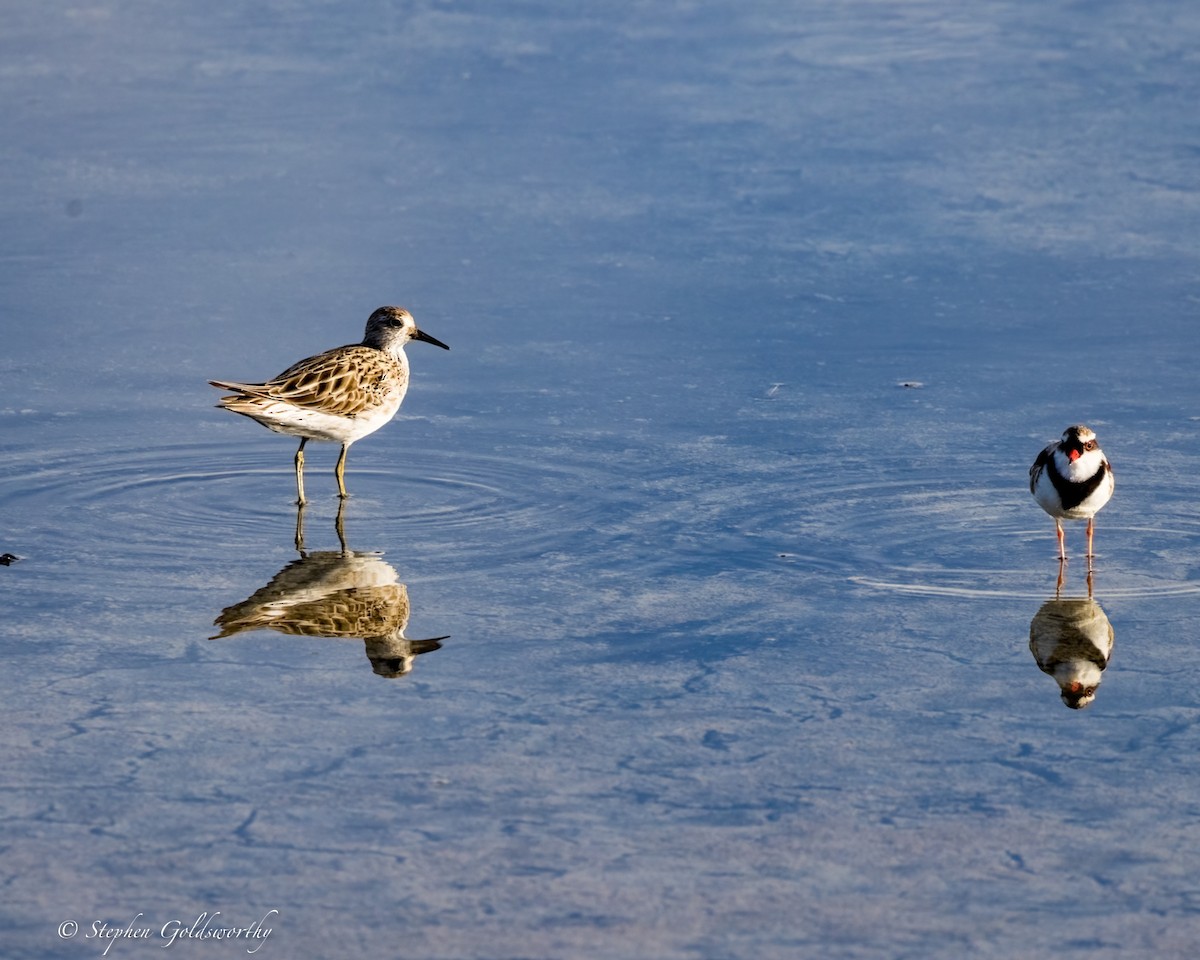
point(246, 395)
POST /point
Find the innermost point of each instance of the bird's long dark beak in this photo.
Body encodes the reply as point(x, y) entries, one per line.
point(422, 335)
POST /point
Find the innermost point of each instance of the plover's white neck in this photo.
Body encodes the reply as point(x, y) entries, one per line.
point(1084, 467)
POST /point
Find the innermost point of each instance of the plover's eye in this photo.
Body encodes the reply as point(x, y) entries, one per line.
point(1090, 445)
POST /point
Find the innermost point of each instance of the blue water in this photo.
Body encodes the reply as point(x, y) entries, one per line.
point(714, 518)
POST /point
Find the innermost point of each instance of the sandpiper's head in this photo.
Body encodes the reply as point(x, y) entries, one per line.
point(390, 328)
point(1077, 441)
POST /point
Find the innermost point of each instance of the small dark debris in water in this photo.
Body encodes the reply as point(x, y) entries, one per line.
point(8, 559)
point(910, 384)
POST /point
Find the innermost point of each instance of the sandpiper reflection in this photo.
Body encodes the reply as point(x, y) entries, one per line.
point(339, 594)
point(1072, 639)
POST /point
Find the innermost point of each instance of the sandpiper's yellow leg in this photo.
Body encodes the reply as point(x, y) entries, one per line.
point(340, 471)
point(300, 473)
point(300, 529)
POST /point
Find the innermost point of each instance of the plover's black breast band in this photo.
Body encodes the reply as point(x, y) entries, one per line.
point(1070, 493)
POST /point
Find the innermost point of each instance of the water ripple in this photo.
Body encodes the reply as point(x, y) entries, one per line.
point(925, 537)
point(221, 490)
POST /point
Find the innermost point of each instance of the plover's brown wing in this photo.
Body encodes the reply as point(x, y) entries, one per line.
point(1039, 465)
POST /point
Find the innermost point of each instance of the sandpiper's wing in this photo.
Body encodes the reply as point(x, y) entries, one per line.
point(342, 382)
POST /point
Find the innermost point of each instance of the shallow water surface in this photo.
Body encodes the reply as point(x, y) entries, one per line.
point(695, 604)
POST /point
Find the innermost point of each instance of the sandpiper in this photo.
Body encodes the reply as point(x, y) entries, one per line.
point(340, 395)
point(1072, 480)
